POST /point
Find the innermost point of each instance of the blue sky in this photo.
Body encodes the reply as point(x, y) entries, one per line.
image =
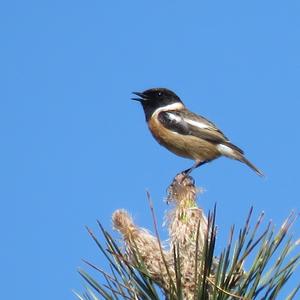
point(75, 147)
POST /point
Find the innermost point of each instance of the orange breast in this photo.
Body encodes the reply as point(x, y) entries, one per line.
point(183, 145)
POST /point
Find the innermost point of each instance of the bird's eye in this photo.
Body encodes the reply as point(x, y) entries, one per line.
point(159, 94)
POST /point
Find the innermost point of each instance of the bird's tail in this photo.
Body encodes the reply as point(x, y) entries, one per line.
point(238, 154)
point(249, 164)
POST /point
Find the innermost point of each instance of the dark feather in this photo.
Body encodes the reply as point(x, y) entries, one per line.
point(176, 123)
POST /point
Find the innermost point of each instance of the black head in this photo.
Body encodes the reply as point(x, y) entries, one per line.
point(155, 98)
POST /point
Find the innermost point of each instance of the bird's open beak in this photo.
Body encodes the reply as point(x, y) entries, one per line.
point(141, 95)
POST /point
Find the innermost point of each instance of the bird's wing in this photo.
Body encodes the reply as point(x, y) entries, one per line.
point(188, 123)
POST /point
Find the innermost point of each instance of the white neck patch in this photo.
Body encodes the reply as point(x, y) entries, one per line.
point(173, 106)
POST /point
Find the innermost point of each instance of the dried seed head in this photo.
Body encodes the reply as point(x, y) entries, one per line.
point(122, 221)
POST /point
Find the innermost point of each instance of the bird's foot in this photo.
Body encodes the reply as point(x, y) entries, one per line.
point(184, 177)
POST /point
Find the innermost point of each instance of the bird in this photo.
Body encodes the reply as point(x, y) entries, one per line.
point(185, 133)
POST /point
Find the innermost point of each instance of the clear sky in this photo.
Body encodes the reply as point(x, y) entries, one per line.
point(74, 147)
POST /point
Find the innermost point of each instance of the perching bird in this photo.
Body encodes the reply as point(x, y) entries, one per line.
point(184, 132)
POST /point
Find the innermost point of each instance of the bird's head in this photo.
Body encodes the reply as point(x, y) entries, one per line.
point(158, 98)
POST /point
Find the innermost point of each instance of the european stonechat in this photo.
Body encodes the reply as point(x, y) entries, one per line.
point(184, 132)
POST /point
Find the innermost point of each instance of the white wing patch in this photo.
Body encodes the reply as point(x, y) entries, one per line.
point(174, 117)
point(197, 124)
point(225, 150)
